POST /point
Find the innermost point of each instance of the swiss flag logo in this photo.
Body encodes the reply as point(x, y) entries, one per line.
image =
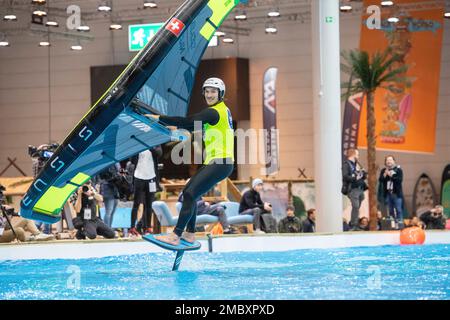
point(175, 26)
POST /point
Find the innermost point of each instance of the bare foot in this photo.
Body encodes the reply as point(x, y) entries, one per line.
point(172, 239)
point(188, 236)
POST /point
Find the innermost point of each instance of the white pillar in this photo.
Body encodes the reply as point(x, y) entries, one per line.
point(327, 115)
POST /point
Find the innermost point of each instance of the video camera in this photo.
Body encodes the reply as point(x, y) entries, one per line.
point(44, 152)
point(8, 211)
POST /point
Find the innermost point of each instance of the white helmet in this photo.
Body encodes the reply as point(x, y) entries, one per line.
point(215, 83)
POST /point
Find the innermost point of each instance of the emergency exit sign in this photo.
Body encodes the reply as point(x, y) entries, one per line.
point(141, 34)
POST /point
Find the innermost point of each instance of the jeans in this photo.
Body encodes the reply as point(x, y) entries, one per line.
point(217, 211)
point(47, 227)
point(394, 202)
point(356, 197)
point(256, 213)
point(110, 208)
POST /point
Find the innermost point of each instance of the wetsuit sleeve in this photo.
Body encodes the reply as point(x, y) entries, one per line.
point(209, 115)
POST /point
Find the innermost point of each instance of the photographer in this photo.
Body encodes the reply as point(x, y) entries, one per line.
point(291, 223)
point(39, 157)
point(87, 221)
point(354, 185)
point(391, 178)
point(434, 219)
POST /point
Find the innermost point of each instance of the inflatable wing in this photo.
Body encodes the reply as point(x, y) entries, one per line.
point(158, 80)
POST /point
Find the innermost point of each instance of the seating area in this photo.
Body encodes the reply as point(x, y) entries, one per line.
point(168, 220)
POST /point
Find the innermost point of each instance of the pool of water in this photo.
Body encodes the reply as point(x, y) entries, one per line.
point(386, 272)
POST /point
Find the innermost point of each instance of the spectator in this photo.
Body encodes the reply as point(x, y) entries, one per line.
point(363, 224)
point(216, 210)
point(252, 204)
point(145, 187)
point(391, 178)
point(415, 222)
point(434, 219)
point(19, 226)
point(87, 221)
point(291, 223)
point(353, 184)
point(309, 225)
point(379, 219)
point(110, 192)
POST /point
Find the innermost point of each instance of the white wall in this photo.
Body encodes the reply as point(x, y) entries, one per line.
point(24, 93)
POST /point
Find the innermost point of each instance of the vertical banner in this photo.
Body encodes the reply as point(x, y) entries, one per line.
point(270, 121)
point(406, 117)
point(350, 126)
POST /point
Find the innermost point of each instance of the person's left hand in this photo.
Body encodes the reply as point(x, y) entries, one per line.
point(153, 116)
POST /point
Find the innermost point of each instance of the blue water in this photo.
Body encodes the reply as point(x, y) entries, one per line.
point(388, 272)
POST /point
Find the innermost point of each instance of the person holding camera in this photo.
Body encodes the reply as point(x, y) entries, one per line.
point(291, 223)
point(13, 226)
point(434, 219)
point(87, 221)
point(252, 204)
point(390, 180)
point(354, 185)
point(39, 157)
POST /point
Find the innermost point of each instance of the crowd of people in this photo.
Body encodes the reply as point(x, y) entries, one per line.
point(390, 194)
point(138, 179)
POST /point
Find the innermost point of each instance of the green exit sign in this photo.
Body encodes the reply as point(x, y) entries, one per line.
point(140, 34)
point(329, 19)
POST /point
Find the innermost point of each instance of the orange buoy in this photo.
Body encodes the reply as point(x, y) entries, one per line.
point(412, 235)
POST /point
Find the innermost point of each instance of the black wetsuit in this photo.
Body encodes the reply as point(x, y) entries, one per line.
point(205, 178)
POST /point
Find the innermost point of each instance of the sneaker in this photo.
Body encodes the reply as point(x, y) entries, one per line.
point(44, 237)
point(259, 231)
point(230, 231)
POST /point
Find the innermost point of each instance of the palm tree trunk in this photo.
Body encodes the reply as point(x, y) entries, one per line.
point(371, 160)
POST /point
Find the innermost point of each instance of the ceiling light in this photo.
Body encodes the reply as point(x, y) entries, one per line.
point(10, 17)
point(39, 13)
point(228, 40)
point(219, 33)
point(38, 1)
point(346, 8)
point(4, 43)
point(387, 3)
point(83, 28)
point(275, 13)
point(44, 44)
point(150, 4)
point(240, 16)
point(76, 47)
point(393, 19)
point(52, 24)
point(271, 29)
point(115, 26)
point(104, 7)
point(447, 15)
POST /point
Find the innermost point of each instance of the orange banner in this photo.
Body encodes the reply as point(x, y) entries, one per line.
point(406, 119)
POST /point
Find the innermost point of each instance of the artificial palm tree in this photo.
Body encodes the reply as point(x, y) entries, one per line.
point(367, 74)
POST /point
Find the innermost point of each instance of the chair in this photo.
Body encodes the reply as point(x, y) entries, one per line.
point(234, 218)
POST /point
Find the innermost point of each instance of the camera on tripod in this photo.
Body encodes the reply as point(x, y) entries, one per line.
point(44, 152)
